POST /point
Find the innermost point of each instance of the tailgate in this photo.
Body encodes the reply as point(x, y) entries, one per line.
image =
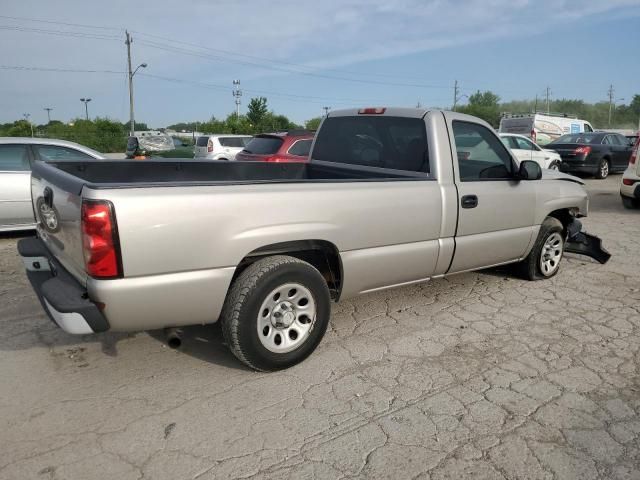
point(57, 200)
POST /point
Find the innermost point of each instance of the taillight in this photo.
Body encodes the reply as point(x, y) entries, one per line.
point(628, 181)
point(582, 151)
point(533, 135)
point(99, 239)
point(209, 146)
point(276, 159)
point(372, 111)
point(634, 153)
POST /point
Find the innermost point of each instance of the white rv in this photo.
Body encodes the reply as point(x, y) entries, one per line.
point(542, 128)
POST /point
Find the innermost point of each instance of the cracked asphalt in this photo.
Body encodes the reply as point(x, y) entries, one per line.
point(480, 375)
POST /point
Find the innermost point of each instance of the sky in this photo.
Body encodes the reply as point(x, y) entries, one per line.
point(305, 55)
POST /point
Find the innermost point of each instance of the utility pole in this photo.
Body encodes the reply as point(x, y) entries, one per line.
point(548, 94)
point(326, 111)
point(237, 93)
point(86, 109)
point(48, 109)
point(131, 120)
point(610, 102)
point(26, 117)
point(455, 95)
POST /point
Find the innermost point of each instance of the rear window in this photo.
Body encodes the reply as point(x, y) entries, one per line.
point(300, 148)
point(235, 142)
point(202, 141)
point(263, 145)
point(579, 138)
point(132, 143)
point(387, 142)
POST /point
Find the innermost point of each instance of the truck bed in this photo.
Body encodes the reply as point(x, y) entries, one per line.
point(73, 175)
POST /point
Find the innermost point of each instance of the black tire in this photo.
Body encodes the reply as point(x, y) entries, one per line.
point(555, 165)
point(604, 168)
point(631, 203)
point(245, 298)
point(530, 267)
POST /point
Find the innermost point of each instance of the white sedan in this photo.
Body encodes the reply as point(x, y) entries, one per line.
point(524, 149)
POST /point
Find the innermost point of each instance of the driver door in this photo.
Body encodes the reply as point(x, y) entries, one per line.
point(495, 211)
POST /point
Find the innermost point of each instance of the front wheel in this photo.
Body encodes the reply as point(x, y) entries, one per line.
point(544, 258)
point(276, 313)
point(603, 169)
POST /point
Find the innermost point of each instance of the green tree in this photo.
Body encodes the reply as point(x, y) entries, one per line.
point(257, 110)
point(20, 128)
point(313, 123)
point(484, 105)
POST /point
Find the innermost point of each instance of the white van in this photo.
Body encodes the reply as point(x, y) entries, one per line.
point(542, 128)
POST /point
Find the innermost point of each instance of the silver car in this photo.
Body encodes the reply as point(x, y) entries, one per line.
point(16, 159)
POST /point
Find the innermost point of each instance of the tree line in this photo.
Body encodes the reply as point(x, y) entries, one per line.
point(106, 135)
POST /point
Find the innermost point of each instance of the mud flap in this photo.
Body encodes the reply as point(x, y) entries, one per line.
point(585, 244)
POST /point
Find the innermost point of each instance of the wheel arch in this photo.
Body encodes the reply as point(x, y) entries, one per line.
point(322, 254)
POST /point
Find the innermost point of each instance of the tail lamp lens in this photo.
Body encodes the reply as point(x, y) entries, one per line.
point(209, 146)
point(533, 135)
point(583, 151)
point(101, 255)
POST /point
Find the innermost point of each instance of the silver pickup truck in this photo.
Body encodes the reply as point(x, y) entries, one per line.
point(389, 197)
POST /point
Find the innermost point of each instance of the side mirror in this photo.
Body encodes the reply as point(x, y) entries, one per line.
point(529, 170)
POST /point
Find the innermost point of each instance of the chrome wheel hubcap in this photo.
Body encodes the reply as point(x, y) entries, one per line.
point(605, 169)
point(551, 254)
point(286, 318)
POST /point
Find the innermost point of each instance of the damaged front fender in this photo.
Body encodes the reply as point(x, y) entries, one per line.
point(583, 243)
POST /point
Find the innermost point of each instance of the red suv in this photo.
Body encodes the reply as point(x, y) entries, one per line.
point(292, 146)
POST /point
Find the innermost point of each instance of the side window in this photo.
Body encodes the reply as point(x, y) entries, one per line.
point(300, 148)
point(510, 142)
point(524, 144)
point(607, 140)
point(14, 158)
point(481, 156)
point(620, 140)
point(587, 128)
point(52, 153)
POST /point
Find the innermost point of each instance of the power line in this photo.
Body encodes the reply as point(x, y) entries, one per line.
point(52, 22)
point(61, 70)
point(61, 33)
point(184, 51)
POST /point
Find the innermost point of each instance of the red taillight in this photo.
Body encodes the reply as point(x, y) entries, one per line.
point(101, 256)
point(372, 111)
point(209, 146)
point(628, 181)
point(582, 151)
point(634, 153)
point(533, 135)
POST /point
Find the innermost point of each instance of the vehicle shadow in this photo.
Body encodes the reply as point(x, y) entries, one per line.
point(204, 342)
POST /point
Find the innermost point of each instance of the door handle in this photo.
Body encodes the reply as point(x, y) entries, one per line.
point(469, 201)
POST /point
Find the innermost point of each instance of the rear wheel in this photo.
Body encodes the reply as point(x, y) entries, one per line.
point(555, 165)
point(603, 169)
point(276, 313)
point(544, 258)
point(630, 202)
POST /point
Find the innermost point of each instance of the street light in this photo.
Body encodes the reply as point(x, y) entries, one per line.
point(86, 109)
point(131, 74)
point(26, 117)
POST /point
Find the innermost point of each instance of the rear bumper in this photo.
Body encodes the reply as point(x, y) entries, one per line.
point(631, 191)
point(568, 167)
point(64, 300)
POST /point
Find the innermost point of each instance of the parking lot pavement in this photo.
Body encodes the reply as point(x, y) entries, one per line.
point(481, 375)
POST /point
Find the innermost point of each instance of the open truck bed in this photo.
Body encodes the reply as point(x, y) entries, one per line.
point(72, 175)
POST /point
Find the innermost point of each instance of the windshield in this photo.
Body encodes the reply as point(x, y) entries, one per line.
point(263, 145)
point(578, 138)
